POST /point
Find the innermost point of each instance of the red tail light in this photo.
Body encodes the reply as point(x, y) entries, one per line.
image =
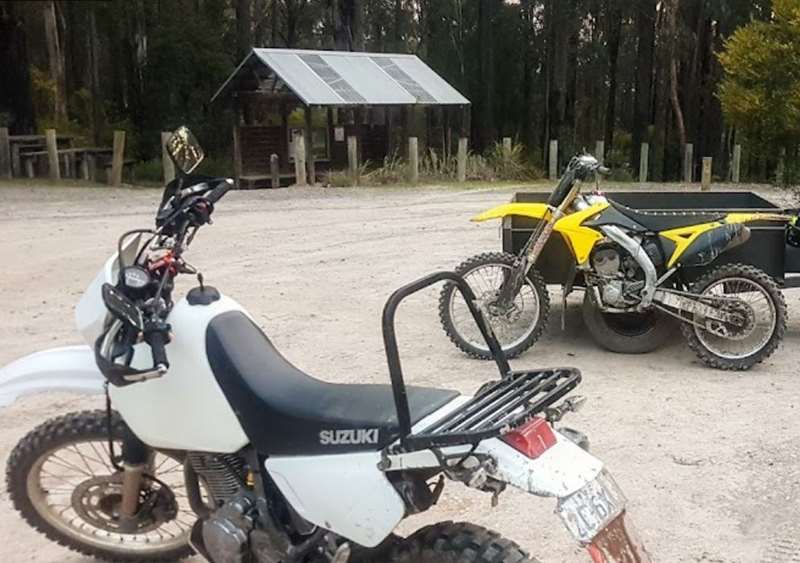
point(532, 439)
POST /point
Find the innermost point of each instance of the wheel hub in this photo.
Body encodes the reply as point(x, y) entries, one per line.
point(743, 326)
point(98, 500)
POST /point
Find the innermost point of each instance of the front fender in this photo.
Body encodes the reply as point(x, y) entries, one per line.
point(532, 210)
point(70, 368)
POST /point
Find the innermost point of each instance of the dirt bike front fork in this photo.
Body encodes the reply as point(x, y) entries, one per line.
point(136, 458)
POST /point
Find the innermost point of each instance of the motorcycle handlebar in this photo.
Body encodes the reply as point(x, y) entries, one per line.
point(220, 190)
point(157, 339)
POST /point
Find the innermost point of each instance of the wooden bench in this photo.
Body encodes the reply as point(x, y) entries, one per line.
point(79, 162)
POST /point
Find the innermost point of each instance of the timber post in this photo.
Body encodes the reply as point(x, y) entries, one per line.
point(311, 167)
point(688, 163)
point(166, 162)
point(506, 148)
point(52, 154)
point(552, 155)
point(413, 160)
point(352, 158)
point(275, 170)
point(5, 153)
point(300, 177)
point(780, 169)
point(705, 179)
point(736, 165)
point(600, 151)
point(118, 159)
point(461, 164)
point(644, 154)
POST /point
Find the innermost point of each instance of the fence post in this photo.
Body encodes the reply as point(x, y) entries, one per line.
point(461, 168)
point(5, 153)
point(643, 162)
point(780, 169)
point(300, 177)
point(52, 154)
point(275, 170)
point(352, 158)
point(688, 163)
point(600, 151)
point(737, 164)
point(413, 160)
point(553, 156)
point(166, 161)
point(118, 159)
point(705, 179)
point(84, 166)
point(506, 148)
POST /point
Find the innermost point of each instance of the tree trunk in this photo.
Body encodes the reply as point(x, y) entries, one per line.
point(93, 65)
point(55, 57)
point(347, 32)
point(15, 88)
point(642, 113)
point(614, 31)
point(244, 34)
point(397, 32)
point(485, 35)
point(672, 19)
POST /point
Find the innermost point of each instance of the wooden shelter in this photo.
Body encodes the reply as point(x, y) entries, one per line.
point(328, 97)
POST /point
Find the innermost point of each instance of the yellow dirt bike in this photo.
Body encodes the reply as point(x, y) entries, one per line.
point(630, 265)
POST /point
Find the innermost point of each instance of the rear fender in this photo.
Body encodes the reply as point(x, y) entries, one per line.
point(532, 210)
point(71, 368)
point(560, 471)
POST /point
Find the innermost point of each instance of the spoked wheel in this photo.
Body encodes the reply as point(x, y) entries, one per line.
point(448, 542)
point(756, 307)
point(517, 325)
point(61, 481)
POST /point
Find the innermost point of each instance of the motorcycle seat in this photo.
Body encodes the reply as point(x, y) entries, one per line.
point(657, 221)
point(285, 411)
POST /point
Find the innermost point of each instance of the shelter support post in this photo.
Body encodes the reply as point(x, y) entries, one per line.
point(237, 157)
point(52, 154)
point(311, 168)
point(352, 158)
point(275, 170)
point(300, 160)
point(413, 160)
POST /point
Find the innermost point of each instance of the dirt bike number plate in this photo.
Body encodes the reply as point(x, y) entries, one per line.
point(591, 508)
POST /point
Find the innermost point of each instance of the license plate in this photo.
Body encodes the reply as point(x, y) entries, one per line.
point(590, 509)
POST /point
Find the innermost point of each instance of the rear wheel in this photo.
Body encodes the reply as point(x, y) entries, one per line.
point(626, 333)
point(517, 325)
point(61, 481)
point(451, 542)
point(753, 297)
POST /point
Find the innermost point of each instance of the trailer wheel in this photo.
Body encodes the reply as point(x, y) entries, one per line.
point(626, 333)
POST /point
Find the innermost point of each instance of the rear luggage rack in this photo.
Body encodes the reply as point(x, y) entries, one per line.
point(497, 408)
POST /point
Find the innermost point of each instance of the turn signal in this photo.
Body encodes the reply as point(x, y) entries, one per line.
point(532, 439)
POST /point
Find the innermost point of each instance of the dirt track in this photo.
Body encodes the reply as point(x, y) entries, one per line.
point(709, 460)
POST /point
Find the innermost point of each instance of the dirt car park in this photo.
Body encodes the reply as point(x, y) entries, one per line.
point(709, 460)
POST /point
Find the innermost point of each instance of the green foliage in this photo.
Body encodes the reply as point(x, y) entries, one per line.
point(760, 93)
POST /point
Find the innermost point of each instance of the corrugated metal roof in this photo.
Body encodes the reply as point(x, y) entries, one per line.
point(347, 78)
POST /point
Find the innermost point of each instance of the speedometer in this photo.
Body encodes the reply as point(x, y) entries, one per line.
point(135, 277)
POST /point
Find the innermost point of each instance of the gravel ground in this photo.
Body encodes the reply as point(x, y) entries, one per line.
point(709, 460)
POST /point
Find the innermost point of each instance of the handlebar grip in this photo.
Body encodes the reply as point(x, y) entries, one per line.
point(157, 340)
point(603, 171)
point(220, 190)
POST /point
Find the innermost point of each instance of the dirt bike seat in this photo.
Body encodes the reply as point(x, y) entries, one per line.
point(657, 221)
point(285, 411)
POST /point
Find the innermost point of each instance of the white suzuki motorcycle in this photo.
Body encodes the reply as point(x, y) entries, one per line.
point(217, 444)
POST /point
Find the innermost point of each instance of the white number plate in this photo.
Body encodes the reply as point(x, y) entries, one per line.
point(590, 509)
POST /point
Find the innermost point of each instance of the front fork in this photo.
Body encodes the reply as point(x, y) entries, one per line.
point(136, 458)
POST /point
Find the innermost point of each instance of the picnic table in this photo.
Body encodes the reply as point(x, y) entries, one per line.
point(78, 162)
point(21, 144)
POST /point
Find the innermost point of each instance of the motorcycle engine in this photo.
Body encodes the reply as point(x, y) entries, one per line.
point(226, 533)
point(619, 275)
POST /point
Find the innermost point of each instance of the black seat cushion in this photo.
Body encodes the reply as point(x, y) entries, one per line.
point(657, 221)
point(285, 411)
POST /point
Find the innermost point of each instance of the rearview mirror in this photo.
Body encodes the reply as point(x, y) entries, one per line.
point(185, 150)
point(119, 305)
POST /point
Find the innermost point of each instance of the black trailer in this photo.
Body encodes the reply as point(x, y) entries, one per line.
point(767, 248)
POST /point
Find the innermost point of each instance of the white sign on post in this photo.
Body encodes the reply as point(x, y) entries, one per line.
point(338, 134)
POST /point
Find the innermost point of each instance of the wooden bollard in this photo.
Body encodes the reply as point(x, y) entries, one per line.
point(461, 160)
point(736, 165)
point(644, 154)
point(275, 170)
point(688, 163)
point(553, 160)
point(705, 179)
point(5, 153)
point(506, 148)
point(600, 151)
point(413, 160)
point(780, 169)
point(52, 154)
point(300, 160)
point(117, 159)
point(352, 158)
point(84, 166)
point(166, 162)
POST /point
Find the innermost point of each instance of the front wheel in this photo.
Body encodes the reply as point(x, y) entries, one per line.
point(517, 325)
point(755, 301)
point(61, 481)
point(452, 542)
